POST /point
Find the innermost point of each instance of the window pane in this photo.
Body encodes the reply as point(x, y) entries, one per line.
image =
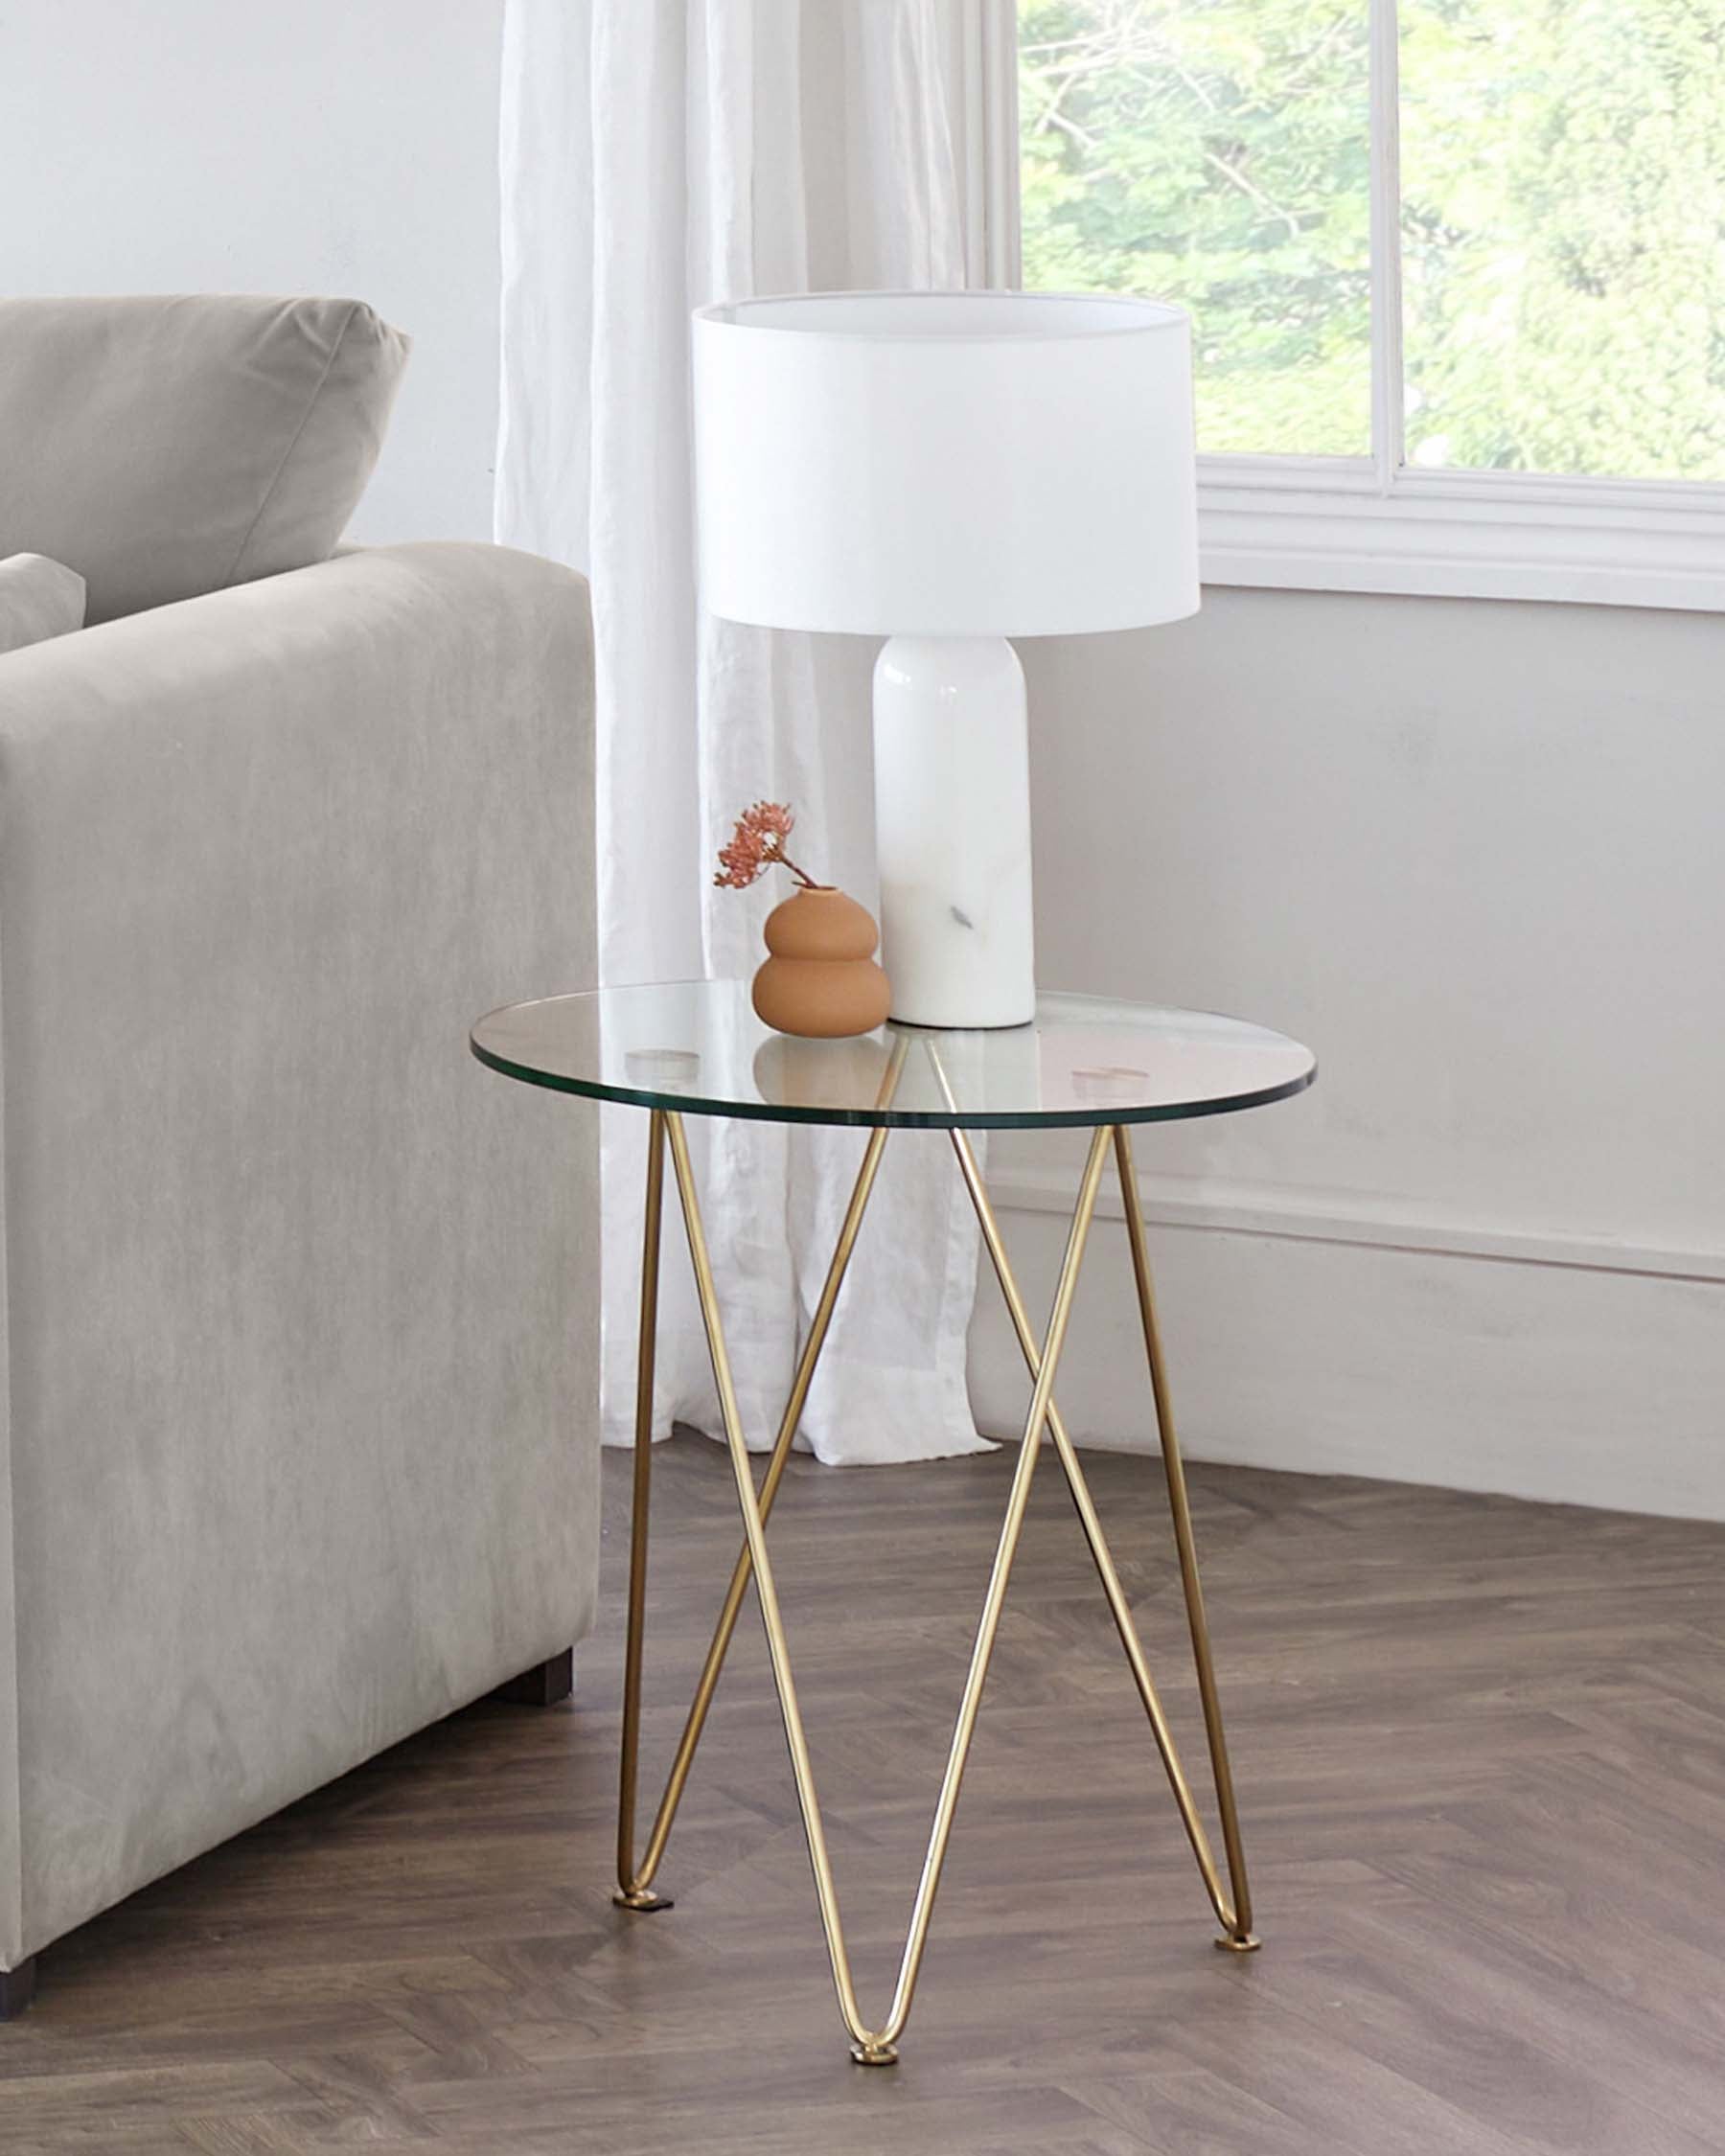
point(1563, 223)
point(1214, 152)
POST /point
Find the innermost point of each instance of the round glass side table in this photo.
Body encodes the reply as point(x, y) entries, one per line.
point(697, 1049)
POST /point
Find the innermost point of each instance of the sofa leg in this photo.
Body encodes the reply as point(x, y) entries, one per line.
point(17, 1988)
point(544, 1684)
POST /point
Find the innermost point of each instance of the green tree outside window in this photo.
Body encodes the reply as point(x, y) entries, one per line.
point(1562, 215)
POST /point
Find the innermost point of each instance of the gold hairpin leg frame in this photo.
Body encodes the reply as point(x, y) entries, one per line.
point(873, 2046)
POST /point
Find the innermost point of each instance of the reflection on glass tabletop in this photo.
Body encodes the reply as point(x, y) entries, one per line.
point(696, 1048)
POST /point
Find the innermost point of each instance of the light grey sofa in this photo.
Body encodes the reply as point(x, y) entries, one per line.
point(298, 1427)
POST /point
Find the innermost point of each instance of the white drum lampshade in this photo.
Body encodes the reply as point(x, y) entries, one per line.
point(948, 470)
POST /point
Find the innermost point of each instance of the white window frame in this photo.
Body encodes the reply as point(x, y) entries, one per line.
point(1373, 523)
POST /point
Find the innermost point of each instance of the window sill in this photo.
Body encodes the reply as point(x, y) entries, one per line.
point(1330, 524)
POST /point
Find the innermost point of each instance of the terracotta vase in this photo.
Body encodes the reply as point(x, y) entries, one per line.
point(821, 982)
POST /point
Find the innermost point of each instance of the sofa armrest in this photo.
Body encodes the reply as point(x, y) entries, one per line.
point(301, 1304)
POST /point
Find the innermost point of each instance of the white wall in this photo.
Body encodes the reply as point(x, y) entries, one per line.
point(347, 147)
point(1475, 855)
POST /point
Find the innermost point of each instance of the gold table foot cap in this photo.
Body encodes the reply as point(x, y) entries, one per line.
point(875, 2054)
point(1247, 1942)
point(642, 1900)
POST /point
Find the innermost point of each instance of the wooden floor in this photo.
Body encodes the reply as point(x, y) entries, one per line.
point(1481, 1748)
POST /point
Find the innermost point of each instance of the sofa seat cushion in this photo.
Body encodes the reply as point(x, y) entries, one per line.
point(166, 446)
point(38, 599)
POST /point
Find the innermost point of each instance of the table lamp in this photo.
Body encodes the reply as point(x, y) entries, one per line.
point(948, 470)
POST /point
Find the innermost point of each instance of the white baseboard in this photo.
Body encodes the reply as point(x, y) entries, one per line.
point(1348, 1336)
point(1375, 1224)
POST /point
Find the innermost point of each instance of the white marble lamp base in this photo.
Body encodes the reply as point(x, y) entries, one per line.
point(953, 831)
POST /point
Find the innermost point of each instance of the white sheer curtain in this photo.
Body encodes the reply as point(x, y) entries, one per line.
point(658, 154)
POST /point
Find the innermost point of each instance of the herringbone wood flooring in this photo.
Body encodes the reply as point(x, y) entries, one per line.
point(1481, 1748)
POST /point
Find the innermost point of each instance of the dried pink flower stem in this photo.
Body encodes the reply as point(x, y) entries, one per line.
point(757, 844)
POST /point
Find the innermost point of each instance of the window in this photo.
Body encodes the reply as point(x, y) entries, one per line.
point(1563, 236)
point(1216, 156)
point(1456, 271)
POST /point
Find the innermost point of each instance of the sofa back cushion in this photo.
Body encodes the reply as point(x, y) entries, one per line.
point(166, 446)
point(38, 599)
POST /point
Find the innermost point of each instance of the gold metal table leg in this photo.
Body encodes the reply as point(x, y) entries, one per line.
point(634, 1890)
point(1236, 1917)
point(1101, 1555)
point(637, 1881)
point(878, 2046)
point(1239, 1938)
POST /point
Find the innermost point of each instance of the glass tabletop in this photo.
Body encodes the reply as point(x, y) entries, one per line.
point(696, 1048)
